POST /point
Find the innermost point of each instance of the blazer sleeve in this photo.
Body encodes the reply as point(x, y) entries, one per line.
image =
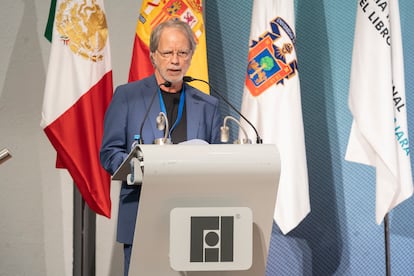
point(114, 143)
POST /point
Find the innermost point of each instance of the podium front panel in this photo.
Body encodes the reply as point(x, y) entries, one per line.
point(204, 176)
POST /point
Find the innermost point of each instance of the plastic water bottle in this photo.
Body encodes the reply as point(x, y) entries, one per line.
point(136, 141)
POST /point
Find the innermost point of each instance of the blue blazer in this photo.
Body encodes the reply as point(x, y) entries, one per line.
point(123, 120)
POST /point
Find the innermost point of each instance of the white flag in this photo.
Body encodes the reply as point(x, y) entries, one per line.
point(379, 133)
point(271, 101)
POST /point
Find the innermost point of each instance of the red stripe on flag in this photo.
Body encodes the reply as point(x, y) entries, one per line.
point(141, 66)
point(77, 135)
point(160, 18)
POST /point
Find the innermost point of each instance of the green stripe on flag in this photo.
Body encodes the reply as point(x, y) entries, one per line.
point(50, 21)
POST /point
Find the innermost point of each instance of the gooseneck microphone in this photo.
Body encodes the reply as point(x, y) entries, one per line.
point(190, 79)
point(140, 139)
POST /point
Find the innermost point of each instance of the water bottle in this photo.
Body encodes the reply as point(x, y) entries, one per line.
point(136, 141)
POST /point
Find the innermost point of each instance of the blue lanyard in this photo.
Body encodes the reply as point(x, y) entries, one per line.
point(180, 108)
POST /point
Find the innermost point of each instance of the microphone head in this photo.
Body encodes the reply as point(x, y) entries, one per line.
point(224, 134)
point(188, 79)
point(166, 84)
point(160, 120)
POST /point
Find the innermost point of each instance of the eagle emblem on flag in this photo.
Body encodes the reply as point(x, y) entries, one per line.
point(83, 28)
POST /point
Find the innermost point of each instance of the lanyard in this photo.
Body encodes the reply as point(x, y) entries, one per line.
point(180, 108)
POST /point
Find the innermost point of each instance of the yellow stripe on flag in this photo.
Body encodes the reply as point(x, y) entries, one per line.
point(153, 14)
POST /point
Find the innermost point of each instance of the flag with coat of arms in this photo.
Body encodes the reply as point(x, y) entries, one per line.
point(272, 102)
point(155, 12)
point(379, 132)
point(77, 93)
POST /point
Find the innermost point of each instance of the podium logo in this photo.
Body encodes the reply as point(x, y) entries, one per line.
point(212, 239)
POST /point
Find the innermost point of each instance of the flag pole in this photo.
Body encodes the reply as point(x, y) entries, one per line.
point(387, 246)
point(84, 240)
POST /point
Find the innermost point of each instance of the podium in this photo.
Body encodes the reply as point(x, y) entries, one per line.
point(228, 183)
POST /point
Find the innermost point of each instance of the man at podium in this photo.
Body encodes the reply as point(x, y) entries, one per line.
point(135, 109)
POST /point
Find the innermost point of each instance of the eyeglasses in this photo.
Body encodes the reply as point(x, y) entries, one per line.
point(169, 54)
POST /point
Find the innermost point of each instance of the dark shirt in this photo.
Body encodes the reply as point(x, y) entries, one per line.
point(172, 101)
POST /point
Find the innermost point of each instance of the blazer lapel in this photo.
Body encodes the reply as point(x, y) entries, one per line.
point(193, 121)
point(150, 123)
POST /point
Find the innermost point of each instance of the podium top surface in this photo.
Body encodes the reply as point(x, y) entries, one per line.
point(201, 157)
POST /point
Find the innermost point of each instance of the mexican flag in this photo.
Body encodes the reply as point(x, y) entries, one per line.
point(77, 93)
point(154, 12)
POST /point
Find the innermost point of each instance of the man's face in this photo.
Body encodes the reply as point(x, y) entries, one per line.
point(173, 56)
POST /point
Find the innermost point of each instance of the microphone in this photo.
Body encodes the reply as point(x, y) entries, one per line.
point(162, 124)
point(4, 155)
point(140, 140)
point(224, 137)
point(190, 79)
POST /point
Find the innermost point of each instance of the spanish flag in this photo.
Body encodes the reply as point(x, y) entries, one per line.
point(153, 13)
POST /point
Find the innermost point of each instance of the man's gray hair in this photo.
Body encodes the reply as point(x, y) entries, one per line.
point(171, 23)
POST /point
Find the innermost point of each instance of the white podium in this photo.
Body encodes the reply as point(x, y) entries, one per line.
point(224, 183)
